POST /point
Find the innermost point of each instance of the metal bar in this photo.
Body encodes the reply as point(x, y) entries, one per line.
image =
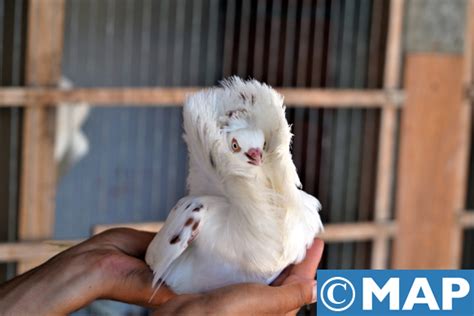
point(298, 97)
point(383, 195)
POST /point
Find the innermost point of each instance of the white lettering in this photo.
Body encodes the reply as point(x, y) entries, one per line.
point(449, 293)
point(331, 292)
point(427, 298)
point(391, 288)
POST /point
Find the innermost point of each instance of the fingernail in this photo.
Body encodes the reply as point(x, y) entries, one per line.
point(313, 300)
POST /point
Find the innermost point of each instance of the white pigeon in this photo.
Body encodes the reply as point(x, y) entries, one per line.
point(245, 218)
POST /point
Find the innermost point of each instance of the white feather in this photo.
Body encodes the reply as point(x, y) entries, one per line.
point(255, 220)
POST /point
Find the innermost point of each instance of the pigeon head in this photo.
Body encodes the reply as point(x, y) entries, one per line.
point(247, 145)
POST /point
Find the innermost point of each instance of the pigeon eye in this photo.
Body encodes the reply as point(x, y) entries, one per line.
point(235, 146)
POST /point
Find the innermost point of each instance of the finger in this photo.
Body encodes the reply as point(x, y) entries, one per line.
point(185, 304)
point(294, 296)
point(307, 267)
point(130, 241)
point(261, 299)
point(283, 275)
point(135, 287)
point(136, 242)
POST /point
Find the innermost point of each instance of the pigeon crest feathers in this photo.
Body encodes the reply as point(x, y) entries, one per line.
point(237, 104)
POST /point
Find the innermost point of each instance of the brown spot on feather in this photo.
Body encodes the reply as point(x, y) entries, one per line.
point(196, 225)
point(189, 221)
point(213, 164)
point(174, 240)
point(198, 208)
point(231, 113)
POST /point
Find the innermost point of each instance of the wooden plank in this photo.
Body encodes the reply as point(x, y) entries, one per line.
point(332, 232)
point(157, 96)
point(33, 251)
point(40, 251)
point(29, 250)
point(148, 227)
point(362, 231)
point(43, 63)
point(431, 158)
point(386, 157)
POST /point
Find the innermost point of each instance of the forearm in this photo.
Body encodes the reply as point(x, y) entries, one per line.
point(108, 266)
point(54, 288)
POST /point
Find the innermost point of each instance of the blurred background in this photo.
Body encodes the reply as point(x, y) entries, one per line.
point(393, 168)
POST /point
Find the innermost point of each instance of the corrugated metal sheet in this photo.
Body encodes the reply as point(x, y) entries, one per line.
point(468, 253)
point(12, 27)
point(137, 164)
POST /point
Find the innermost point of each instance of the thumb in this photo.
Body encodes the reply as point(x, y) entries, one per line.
point(295, 294)
point(261, 299)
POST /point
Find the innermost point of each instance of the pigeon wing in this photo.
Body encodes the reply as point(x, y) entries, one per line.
point(179, 230)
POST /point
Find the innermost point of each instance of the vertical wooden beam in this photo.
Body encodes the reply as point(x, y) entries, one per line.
point(38, 169)
point(432, 150)
point(388, 127)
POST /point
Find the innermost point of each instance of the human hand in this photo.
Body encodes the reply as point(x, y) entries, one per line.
point(294, 288)
point(108, 266)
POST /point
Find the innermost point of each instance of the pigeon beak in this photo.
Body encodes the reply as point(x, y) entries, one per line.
point(255, 156)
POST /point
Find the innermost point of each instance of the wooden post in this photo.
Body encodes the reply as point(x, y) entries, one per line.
point(388, 127)
point(38, 169)
point(434, 154)
point(432, 151)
